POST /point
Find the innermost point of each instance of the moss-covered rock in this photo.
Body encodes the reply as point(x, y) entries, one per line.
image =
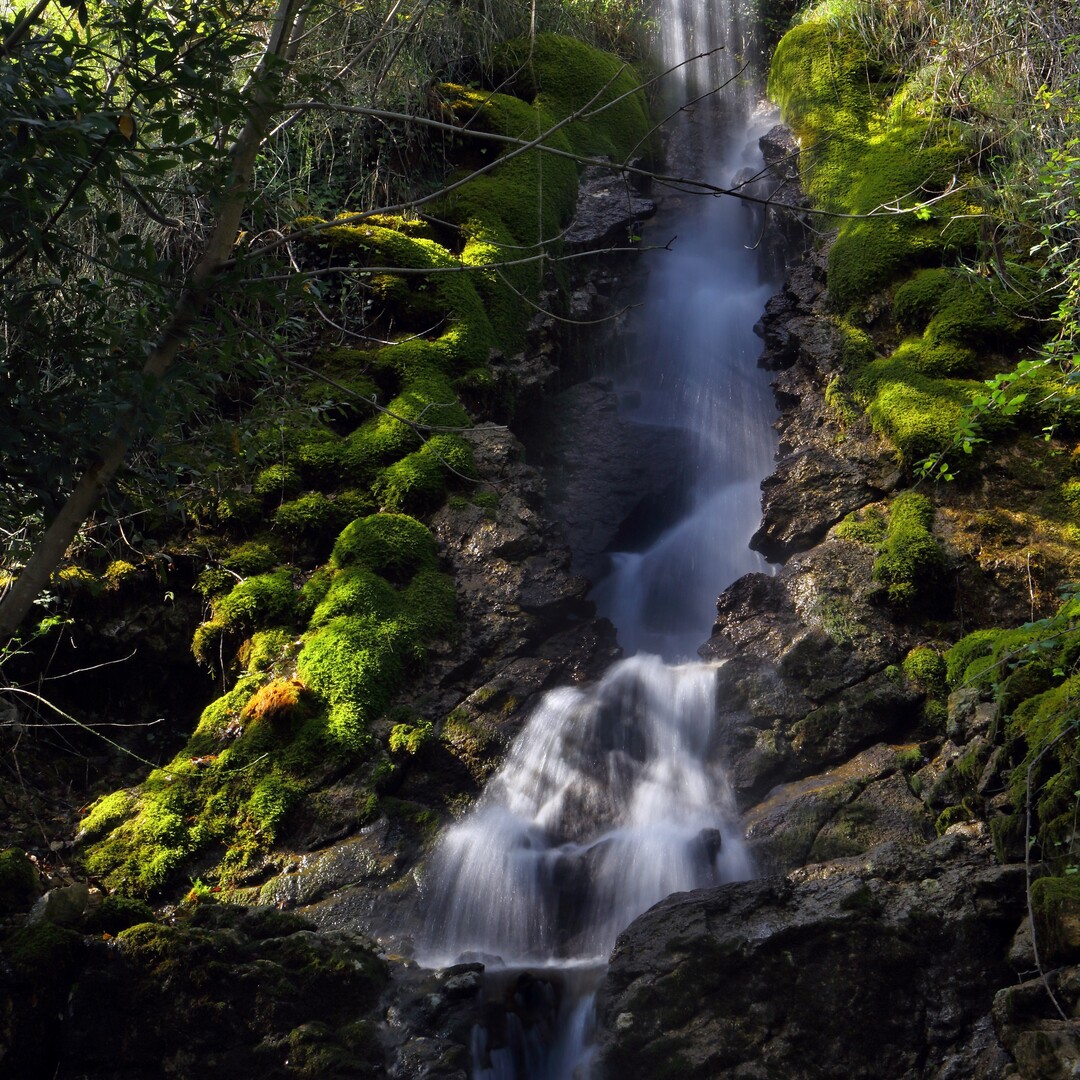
point(19, 885)
point(911, 562)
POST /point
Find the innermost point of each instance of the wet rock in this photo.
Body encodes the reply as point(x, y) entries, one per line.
point(608, 211)
point(608, 480)
point(848, 810)
point(64, 906)
point(808, 492)
point(1036, 1022)
point(880, 965)
point(807, 681)
point(430, 1016)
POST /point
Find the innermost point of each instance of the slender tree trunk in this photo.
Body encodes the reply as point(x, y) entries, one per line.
point(280, 50)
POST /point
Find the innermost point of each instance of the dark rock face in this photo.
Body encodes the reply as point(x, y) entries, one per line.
point(878, 966)
point(829, 461)
point(608, 211)
point(604, 473)
point(229, 993)
point(805, 682)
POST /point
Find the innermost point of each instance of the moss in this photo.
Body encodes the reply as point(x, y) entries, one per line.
point(309, 517)
point(1055, 903)
point(972, 647)
point(371, 614)
point(279, 698)
point(259, 601)
point(117, 913)
point(911, 563)
point(960, 317)
point(42, 951)
point(278, 483)
point(952, 815)
point(118, 573)
point(864, 526)
point(356, 591)
point(393, 545)
point(266, 649)
point(214, 581)
point(419, 480)
point(314, 590)
point(252, 557)
point(1044, 728)
point(917, 413)
point(565, 76)
point(925, 667)
point(78, 579)
point(414, 815)
point(107, 812)
point(410, 738)
point(352, 663)
point(18, 882)
point(239, 509)
point(271, 800)
point(857, 156)
point(910, 759)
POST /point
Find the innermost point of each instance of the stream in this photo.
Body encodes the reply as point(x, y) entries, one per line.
point(613, 797)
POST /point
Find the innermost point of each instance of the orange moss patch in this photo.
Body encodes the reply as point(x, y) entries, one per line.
point(273, 701)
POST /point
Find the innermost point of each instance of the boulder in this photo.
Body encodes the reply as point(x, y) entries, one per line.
point(881, 965)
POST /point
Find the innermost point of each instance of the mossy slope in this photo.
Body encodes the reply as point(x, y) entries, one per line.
point(326, 592)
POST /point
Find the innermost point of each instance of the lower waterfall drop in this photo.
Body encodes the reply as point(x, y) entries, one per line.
point(615, 795)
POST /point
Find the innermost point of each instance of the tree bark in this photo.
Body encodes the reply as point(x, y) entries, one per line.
point(280, 50)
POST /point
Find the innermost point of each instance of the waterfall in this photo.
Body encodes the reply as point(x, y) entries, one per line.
point(614, 795)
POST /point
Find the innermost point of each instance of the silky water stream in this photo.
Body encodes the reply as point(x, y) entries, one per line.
point(612, 797)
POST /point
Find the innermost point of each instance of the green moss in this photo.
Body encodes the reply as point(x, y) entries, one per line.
point(252, 557)
point(1055, 903)
point(858, 157)
point(918, 414)
point(393, 545)
point(118, 913)
point(278, 483)
point(372, 613)
point(356, 591)
point(214, 581)
point(42, 951)
point(239, 509)
point(352, 663)
point(925, 667)
point(566, 76)
point(18, 882)
point(910, 759)
point(911, 563)
point(260, 601)
point(309, 517)
point(270, 802)
point(918, 299)
point(972, 647)
point(419, 480)
point(263, 599)
point(1044, 728)
point(952, 815)
point(266, 649)
point(864, 526)
point(410, 738)
point(106, 813)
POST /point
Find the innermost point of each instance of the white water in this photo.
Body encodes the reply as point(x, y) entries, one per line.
point(613, 795)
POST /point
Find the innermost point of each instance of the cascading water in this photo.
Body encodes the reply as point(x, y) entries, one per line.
point(613, 796)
